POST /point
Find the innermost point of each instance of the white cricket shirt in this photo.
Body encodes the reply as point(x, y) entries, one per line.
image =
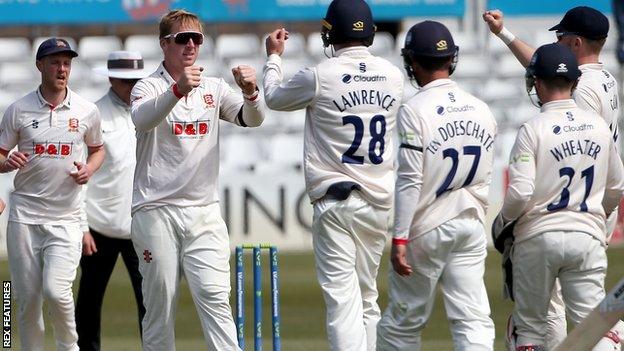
point(351, 102)
point(109, 192)
point(564, 173)
point(445, 158)
point(597, 91)
point(53, 138)
point(177, 139)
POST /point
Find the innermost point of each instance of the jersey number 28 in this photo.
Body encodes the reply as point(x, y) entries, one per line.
point(377, 128)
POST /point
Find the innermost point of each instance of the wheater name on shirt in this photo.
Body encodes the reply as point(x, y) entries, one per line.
point(576, 147)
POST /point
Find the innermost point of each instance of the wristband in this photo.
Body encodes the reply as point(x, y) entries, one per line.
point(397, 241)
point(177, 94)
point(506, 36)
point(251, 97)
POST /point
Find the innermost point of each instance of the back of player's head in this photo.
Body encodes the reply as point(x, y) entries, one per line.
point(431, 45)
point(553, 60)
point(555, 66)
point(347, 21)
point(184, 18)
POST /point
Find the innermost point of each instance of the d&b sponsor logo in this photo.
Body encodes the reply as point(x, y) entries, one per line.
point(57, 149)
point(191, 129)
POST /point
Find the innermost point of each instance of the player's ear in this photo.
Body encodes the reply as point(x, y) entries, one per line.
point(39, 65)
point(162, 43)
point(578, 41)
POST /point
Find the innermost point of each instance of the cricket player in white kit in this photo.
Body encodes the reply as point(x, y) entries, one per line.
point(565, 178)
point(351, 101)
point(53, 129)
point(584, 30)
point(177, 229)
point(108, 200)
point(445, 164)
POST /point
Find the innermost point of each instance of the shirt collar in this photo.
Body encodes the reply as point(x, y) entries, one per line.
point(352, 50)
point(162, 73)
point(116, 99)
point(443, 82)
point(43, 102)
point(598, 66)
point(558, 105)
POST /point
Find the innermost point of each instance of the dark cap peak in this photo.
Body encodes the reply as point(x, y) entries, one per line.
point(584, 21)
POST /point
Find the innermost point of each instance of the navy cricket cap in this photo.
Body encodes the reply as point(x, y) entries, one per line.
point(54, 46)
point(584, 21)
point(430, 39)
point(348, 19)
point(554, 60)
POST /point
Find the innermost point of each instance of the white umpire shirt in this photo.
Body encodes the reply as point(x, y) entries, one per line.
point(109, 192)
point(177, 139)
point(445, 158)
point(597, 91)
point(581, 178)
point(53, 137)
point(351, 102)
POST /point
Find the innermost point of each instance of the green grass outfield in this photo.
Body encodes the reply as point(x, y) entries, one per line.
point(301, 304)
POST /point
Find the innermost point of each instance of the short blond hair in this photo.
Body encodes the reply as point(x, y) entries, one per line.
point(177, 16)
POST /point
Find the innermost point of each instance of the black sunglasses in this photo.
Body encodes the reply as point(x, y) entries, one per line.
point(183, 38)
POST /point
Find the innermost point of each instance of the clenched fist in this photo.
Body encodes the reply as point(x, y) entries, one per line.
point(275, 42)
point(494, 19)
point(190, 78)
point(82, 173)
point(245, 77)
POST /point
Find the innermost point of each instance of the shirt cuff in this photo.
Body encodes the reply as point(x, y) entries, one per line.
point(398, 241)
point(174, 89)
point(275, 58)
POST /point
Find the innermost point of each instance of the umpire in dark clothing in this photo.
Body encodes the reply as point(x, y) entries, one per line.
point(108, 199)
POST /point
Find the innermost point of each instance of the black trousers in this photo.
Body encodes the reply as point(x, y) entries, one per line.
point(96, 271)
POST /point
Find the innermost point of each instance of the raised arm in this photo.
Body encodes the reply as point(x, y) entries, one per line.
point(295, 94)
point(521, 50)
point(150, 108)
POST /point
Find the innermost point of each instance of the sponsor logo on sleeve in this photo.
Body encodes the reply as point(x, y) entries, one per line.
point(520, 158)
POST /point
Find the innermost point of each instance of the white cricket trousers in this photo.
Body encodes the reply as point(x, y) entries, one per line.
point(349, 237)
point(577, 259)
point(193, 242)
point(452, 254)
point(43, 260)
